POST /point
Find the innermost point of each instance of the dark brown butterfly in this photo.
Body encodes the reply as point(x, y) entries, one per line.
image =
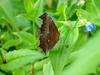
point(49, 34)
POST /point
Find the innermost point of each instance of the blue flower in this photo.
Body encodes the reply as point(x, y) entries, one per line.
point(89, 27)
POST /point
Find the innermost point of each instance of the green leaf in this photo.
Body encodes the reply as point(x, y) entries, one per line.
point(73, 36)
point(82, 39)
point(28, 4)
point(23, 21)
point(10, 43)
point(20, 53)
point(58, 60)
point(29, 8)
point(39, 65)
point(40, 72)
point(19, 72)
point(39, 22)
point(60, 52)
point(20, 58)
point(2, 73)
point(61, 8)
point(9, 13)
point(18, 6)
point(27, 39)
point(71, 8)
point(87, 58)
point(38, 8)
point(93, 7)
point(47, 69)
point(61, 5)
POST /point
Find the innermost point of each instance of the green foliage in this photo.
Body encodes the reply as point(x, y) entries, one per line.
point(21, 58)
point(76, 53)
point(91, 53)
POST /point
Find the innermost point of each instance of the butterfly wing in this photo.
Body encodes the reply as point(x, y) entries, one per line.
point(49, 34)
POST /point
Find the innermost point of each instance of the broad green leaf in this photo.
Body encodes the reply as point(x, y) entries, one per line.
point(18, 6)
point(19, 72)
point(10, 43)
point(73, 36)
point(23, 21)
point(71, 31)
point(82, 39)
point(28, 69)
point(47, 69)
point(20, 53)
point(2, 73)
point(58, 60)
point(87, 58)
point(40, 72)
point(39, 65)
point(20, 58)
point(98, 71)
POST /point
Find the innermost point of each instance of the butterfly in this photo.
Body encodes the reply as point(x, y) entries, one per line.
point(49, 34)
